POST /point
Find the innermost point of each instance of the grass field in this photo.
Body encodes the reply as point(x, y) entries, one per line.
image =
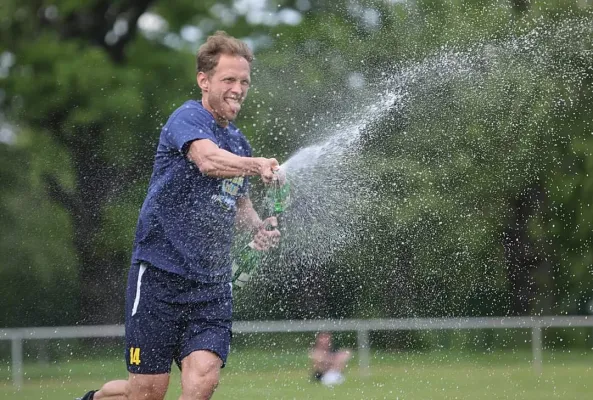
point(284, 375)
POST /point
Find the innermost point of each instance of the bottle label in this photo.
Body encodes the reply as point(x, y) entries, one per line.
point(242, 279)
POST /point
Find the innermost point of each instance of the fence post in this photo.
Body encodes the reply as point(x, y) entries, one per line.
point(17, 361)
point(536, 347)
point(363, 351)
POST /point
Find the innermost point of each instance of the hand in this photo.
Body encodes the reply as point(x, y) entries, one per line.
point(267, 167)
point(266, 238)
point(279, 176)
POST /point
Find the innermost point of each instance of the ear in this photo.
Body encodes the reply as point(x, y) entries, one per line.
point(203, 81)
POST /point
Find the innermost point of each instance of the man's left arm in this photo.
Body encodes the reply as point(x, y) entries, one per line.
point(248, 220)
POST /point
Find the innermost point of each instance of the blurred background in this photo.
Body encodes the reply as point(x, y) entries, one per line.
point(453, 151)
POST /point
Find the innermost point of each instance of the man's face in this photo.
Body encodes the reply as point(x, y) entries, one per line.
point(225, 88)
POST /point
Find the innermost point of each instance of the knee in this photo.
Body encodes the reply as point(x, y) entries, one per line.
point(347, 354)
point(343, 356)
point(201, 382)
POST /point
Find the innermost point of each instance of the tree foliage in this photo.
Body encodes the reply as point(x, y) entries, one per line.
point(478, 171)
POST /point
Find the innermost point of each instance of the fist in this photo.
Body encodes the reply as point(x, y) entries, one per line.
point(267, 235)
point(267, 168)
point(279, 176)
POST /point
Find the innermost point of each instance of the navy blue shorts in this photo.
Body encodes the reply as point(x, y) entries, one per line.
point(168, 317)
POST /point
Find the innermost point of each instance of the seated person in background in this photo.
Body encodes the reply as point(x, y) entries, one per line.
point(328, 363)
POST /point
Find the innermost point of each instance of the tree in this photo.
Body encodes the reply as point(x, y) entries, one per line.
point(466, 190)
point(87, 82)
point(460, 163)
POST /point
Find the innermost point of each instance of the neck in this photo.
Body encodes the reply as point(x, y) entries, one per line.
point(219, 120)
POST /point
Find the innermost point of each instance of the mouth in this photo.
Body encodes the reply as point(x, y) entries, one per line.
point(234, 103)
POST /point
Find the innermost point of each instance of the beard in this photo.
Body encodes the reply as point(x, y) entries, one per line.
point(226, 108)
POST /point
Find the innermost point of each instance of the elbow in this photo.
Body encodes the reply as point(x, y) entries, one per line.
point(206, 167)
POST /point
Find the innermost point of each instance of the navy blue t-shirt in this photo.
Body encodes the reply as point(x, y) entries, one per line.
point(186, 223)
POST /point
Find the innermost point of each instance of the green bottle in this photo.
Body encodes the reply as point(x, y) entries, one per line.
point(278, 198)
point(249, 259)
point(245, 264)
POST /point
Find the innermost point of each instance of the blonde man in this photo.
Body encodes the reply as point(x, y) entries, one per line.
point(179, 297)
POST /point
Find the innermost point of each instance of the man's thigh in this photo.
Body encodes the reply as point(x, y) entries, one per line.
point(208, 324)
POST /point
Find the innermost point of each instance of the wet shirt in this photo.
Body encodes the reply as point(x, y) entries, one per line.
point(186, 223)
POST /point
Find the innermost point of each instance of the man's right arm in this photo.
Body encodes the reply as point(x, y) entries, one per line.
point(216, 162)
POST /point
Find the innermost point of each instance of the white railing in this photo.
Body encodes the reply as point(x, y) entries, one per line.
point(361, 327)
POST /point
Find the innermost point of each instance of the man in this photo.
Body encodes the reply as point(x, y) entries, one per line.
point(179, 299)
point(328, 364)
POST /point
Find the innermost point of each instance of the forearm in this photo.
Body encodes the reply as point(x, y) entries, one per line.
point(247, 218)
point(224, 164)
point(219, 163)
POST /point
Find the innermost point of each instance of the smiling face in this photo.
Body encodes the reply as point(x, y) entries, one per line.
point(225, 87)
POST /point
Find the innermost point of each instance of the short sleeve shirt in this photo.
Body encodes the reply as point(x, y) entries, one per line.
point(186, 223)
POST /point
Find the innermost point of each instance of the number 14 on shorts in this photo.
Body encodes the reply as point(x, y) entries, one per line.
point(134, 355)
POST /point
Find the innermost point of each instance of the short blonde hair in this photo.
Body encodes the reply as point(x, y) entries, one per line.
point(220, 43)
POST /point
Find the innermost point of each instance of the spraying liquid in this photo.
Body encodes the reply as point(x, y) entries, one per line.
point(429, 166)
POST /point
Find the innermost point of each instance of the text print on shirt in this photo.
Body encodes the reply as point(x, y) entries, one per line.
point(229, 189)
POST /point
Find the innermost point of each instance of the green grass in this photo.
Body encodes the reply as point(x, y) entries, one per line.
point(285, 375)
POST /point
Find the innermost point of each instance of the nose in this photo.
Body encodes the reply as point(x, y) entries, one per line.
point(236, 88)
